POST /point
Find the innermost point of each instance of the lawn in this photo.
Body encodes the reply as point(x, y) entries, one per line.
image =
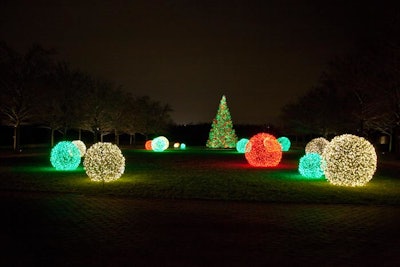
point(198, 173)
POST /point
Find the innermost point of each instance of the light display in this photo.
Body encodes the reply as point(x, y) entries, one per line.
point(159, 144)
point(285, 143)
point(310, 165)
point(183, 146)
point(241, 145)
point(147, 145)
point(263, 150)
point(316, 145)
point(222, 134)
point(65, 156)
point(349, 160)
point(104, 162)
point(177, 145)
point(81, 146)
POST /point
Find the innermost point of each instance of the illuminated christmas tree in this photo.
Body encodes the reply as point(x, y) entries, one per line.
point(222, 134)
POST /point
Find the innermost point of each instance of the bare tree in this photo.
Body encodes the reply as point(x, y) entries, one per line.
point(20, 78)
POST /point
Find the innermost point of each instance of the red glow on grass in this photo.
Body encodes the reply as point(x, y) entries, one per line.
point(263, 150)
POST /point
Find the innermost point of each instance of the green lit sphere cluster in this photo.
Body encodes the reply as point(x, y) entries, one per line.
point(285, 143)
point(349, 160)
point(241, 145)
point(104, 162)
point(316, 145)
point(310, 166)
point(81, 146)
point(65, 156)
point(159, 144)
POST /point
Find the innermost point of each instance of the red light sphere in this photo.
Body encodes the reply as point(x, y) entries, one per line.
point(263, 150)
point(147, 145)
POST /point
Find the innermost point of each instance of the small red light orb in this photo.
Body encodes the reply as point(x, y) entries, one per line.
point(263, 150)
point(147, 145)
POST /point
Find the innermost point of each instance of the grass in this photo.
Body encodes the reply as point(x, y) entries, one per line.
point(198, 173)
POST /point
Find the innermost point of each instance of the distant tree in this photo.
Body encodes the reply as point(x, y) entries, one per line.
point(222, 134)
point(152, 117)
point(59, 105)
point(21, 76)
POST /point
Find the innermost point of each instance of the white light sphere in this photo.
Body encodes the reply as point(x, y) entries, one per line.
point(81, 146)
point(104, 162)
point(349, 160)
point(316, 145)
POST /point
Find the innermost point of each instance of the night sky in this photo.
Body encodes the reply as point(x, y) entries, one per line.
point(260, 54)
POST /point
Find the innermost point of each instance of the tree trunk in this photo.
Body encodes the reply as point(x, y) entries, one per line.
point(15, 138)
point(52, 137)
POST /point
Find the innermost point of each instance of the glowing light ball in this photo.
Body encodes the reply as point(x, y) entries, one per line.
point(263, 150)
point(241, 145)
point(176, 145)
point(81, 146)
point(65, 156)
point(147, 145)
point(316, 145)
point(159, 144)
point(104, 162)
point(183, 146)
point(310, 165)
point(349, 160)
point(285, 143)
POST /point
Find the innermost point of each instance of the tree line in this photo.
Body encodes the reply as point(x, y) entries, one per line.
point(36, 89)
point(357, 93)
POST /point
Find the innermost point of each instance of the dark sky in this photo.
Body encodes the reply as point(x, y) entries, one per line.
point(260, 54)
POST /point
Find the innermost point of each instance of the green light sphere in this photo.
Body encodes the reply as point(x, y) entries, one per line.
point(65, 156)
point(241, 145)
point(159, 144)
point(285, 143)
point(104, 162)
point(310, 166)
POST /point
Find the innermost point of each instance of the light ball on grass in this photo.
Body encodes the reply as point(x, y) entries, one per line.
point(147, 145)
point(349, 160)
point(104, 162)
point(241, 145)
point(65, 156)
point(160, 144)
point(176, 145)
point(81, 146)
point(263, 150)
point(183, 146)
point(310, 166)
point(316, 145)
point(285, 143)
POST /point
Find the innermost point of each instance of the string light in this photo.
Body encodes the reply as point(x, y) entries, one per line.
point(104, 162)
point(65, 156)
point(285, 143)
point(316, 145)
point(263, 150)
point(349, 160)
point(310, 166)
point(160, 144)
point(81, 146)
point(241, 145)
point(147, 145)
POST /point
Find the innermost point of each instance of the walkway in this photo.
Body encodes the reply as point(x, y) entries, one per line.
point(74, 230)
